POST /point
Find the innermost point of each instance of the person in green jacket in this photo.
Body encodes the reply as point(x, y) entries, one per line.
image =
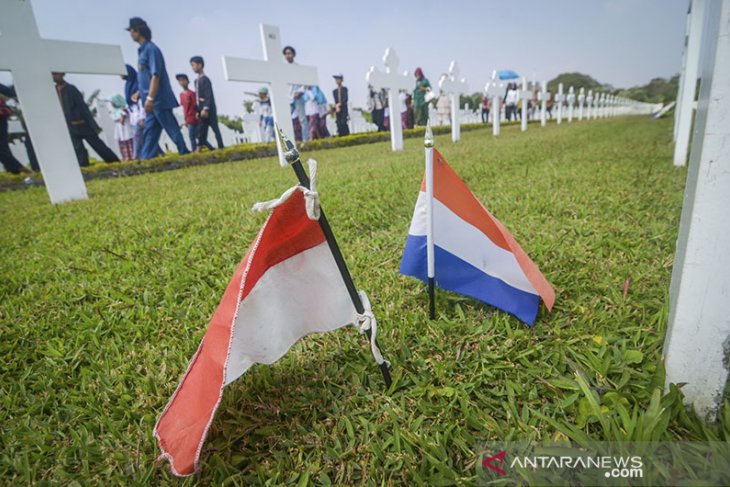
point(420, 105)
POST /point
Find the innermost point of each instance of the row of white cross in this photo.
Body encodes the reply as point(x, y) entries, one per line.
point(31, 59)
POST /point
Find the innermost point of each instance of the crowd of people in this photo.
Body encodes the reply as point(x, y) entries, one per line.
point(146, 109)
point(511, 103)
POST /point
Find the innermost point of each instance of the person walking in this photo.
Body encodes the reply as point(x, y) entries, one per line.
point(81, 123)
point(207, 110)
point(8, 160)
point(420, 105)
point(266, 115)
point(296, 100)
point(156, 91)
point(9, 91)
point(510, 101)
point(190, 110)
point(376, 106)
point(486, 104)
point(341, 99)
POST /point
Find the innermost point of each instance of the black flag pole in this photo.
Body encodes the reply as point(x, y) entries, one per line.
point(292, 157)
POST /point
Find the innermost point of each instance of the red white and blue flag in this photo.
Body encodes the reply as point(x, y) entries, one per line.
point(473, 253)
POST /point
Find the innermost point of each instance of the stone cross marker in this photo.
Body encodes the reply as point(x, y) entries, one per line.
point(454, 87)
point(525, 96)
point(31, 61)
point(391, 81)
point(543, 96)
point(589, 104)
point(495, 90)
point(571, 103)
point(277, 73)
point(597, 108)
point(581, 101)
point(559, 99)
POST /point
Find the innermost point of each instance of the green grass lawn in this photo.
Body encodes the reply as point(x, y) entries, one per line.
point(104, 302)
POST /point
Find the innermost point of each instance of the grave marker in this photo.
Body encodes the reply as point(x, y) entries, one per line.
point(495, 90)
point(391, 81)
point(278, 74)
point(571, 103)
point(31, 60)
point(581, 101)
point(454, 87)
point(525, 96)
point(543, 96)
point(559, 98)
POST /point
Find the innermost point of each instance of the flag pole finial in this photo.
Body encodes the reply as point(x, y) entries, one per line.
point(428, 137)
point(291, 154)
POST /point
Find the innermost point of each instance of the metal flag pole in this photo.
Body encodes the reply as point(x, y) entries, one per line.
point(291, 155)
point(428, 143)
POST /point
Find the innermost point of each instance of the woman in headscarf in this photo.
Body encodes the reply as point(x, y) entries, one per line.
point(420, 105)
point(136, 110)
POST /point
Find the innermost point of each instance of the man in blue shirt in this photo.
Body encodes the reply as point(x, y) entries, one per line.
point(155, 90)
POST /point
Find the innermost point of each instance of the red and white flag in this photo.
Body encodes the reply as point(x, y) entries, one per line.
point(287, 286)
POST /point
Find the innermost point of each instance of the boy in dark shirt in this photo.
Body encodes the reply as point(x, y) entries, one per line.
point(207, 112)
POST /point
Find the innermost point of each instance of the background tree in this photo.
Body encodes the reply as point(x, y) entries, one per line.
point(233, 123)
point(577, 81)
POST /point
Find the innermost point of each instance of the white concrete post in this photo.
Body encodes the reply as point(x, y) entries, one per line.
point(689, 86)
point(697, 346)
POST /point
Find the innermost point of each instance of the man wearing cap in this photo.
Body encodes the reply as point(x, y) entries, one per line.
point(207, 111)
point(341, 100)
point(156, 91)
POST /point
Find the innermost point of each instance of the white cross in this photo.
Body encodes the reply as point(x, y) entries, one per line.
point(278, 74)
point(589, 104)
point(31, 60)
point(599, 103)
point(525, 95)
point(453, 86)
point(543, 96)
point(581, 101)
point(495, 90)
point(559, 99)
point(391, 81)
point(571, 103)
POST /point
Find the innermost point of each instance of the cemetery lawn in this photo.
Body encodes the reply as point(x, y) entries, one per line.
point(105, 301)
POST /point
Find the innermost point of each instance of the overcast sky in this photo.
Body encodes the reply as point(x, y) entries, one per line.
point(621, 42)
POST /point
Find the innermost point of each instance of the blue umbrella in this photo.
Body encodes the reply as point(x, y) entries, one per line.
point(507, 74)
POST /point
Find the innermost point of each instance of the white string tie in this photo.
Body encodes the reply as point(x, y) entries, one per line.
point(366, 321)
point(311, 197)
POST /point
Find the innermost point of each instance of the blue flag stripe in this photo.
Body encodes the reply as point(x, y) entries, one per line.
point(454, 274)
